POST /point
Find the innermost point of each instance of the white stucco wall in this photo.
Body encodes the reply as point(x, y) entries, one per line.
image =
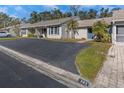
point(55, 36)
point(82, 33)
point(26, 34)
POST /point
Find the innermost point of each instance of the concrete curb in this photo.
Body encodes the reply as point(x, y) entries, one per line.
point(65, 77)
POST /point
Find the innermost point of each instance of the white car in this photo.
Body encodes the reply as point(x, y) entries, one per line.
point(4, 34)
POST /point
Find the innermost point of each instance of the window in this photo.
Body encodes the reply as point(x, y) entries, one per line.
point(54, 30)
point(58, 30)
point(51, 30)
point(89, 30)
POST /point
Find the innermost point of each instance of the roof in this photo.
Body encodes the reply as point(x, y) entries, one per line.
point(90, 22)
point(53, 22)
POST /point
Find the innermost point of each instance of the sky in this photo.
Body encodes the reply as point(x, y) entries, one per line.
point(20, 11)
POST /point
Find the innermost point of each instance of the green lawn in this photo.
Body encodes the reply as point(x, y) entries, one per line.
point(9, 38)
point(91, 59)
point(66, 40)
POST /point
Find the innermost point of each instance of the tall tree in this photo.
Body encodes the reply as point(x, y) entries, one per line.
point(82, 14)
point(24, 20)
point(56, 14)
point(46, 15)
point(3, 20)
point(75, 9)
point(34, 17)
point(67, 14)
point(91, 14)
point(105, 13)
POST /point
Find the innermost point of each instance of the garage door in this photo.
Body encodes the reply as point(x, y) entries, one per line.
point(120, 34)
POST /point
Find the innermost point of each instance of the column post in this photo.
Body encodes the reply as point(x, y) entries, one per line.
point(37, 33)
point(114, 33)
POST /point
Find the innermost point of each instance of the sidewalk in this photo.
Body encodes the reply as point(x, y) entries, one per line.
point(112, 73)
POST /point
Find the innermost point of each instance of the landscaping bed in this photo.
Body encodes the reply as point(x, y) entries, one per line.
point(91, 59)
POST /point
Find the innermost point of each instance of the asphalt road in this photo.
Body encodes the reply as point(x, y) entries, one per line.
point(59, 54)
point(14, 74)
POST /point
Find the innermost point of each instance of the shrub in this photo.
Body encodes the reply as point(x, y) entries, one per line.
point(31, 35)
point(100, 30)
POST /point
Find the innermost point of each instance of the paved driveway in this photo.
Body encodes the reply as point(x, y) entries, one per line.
point(112, 73)
point(59, 54)
point(14, 74)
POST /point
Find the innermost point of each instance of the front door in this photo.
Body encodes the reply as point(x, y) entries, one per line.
point(43, 32)
point(90, 33)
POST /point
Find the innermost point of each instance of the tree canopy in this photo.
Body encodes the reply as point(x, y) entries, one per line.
point(6, 20)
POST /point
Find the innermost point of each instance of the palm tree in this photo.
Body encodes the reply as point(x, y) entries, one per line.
point(34, 17)
point(72, 26)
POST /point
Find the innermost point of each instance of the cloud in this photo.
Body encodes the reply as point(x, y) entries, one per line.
point(14, 15)
point(19, 11)
point(18, 8)
point(4, 9)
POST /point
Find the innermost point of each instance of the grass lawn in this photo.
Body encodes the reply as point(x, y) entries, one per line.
point(66, 40)
point(91, 59)
point(13, 38)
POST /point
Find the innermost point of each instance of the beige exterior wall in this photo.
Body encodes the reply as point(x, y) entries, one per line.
point(82, 33)
point(55, 36)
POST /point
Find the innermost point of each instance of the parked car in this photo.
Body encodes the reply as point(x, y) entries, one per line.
point(5, 34)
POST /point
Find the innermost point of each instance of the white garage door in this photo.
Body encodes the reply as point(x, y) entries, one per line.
point(120, 34)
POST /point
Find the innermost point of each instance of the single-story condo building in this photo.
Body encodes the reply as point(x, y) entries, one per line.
point(57, 28)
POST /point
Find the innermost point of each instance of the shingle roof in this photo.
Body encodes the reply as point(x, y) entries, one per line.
point(108, 20)
point(90, 22)
point(48, 22)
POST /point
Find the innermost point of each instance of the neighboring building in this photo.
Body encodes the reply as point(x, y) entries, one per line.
point(57, 29)
point(116, 23)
